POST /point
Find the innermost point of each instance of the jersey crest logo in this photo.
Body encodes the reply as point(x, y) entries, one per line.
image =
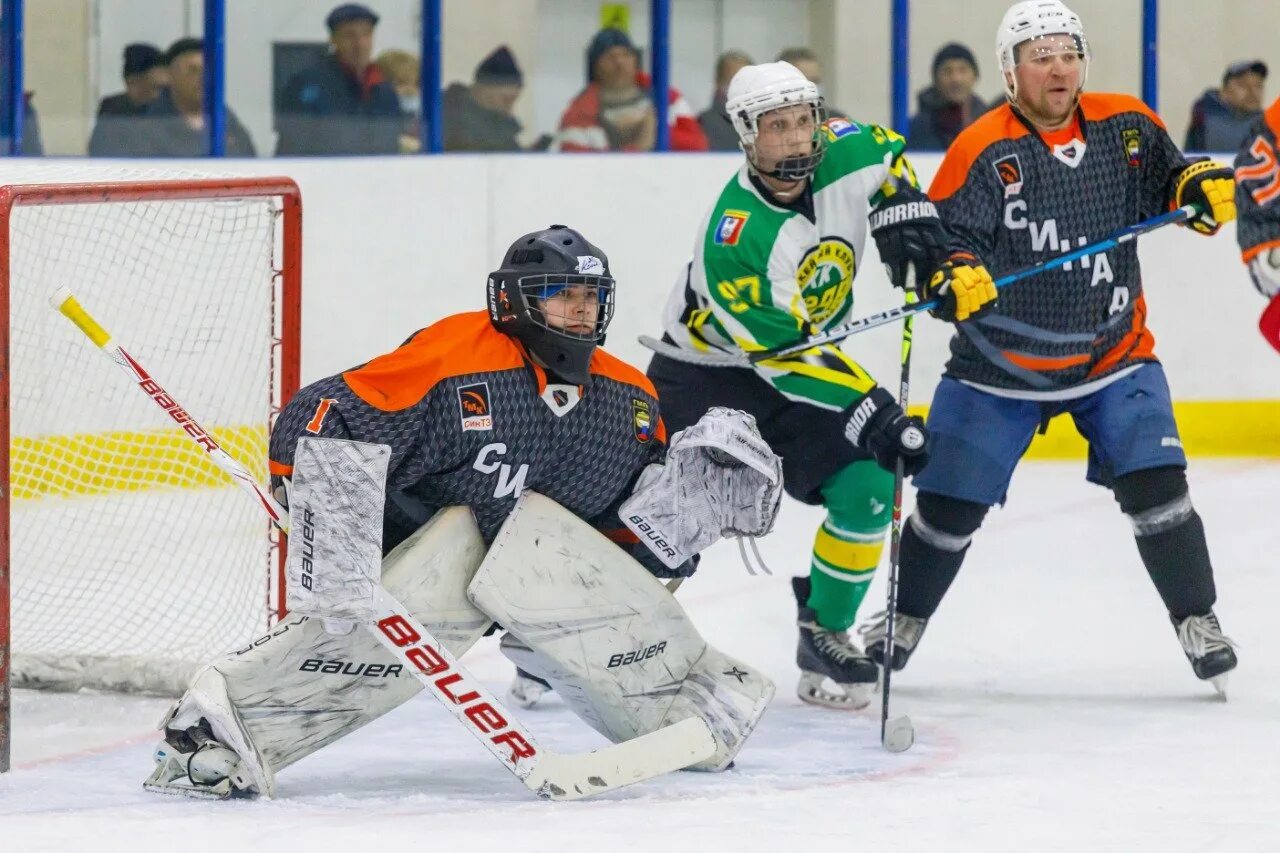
point(642, 419)
point(730, 227)
point(473, 405)
point(825, 278)
point(1071, 153)
point(838, 127)
point(1133, 146)
point(1009, 171)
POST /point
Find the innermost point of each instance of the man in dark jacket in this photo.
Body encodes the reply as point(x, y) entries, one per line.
point(173, 125)
point(714, 120)
point(949, 105)
point(144, 76)
point(478, 117)
point(342, 105)
point(1222, 118)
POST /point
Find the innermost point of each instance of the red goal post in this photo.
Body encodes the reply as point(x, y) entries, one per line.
point(101, 582)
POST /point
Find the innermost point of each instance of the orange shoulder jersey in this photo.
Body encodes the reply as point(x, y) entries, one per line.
point(1258, 186)
point(472, 421)
point(1016, 197)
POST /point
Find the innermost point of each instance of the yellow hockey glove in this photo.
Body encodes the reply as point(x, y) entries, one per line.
point(962, 287)
point(1211, 187)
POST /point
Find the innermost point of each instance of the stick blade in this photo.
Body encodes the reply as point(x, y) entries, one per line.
point(899, 734)
point(670, 748)
point(1269, 323)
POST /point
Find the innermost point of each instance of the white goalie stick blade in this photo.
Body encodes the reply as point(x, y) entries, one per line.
point(551, 776)
point(898, 735)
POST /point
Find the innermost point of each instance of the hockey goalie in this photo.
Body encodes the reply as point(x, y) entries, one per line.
point(498, 471)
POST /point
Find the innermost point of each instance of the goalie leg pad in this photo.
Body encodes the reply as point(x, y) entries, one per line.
point(608, 636)
point(300, 687)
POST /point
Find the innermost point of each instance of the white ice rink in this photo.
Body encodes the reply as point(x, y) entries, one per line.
point(1053, 706)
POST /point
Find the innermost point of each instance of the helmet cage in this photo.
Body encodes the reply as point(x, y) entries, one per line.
point(536, 288)
point(1036, 47)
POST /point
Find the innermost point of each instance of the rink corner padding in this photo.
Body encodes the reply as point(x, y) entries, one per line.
point(1207, 428)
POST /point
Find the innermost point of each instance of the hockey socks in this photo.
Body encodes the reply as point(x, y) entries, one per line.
point(847, 547)
point(934, 541)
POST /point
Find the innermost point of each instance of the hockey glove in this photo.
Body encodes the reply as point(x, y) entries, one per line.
point(907, 231)
point(1264, 269)
point(1211, 187)
point(962, 287)
point(878, 425)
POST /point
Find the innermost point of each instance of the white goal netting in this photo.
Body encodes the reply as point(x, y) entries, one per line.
point(133, 560)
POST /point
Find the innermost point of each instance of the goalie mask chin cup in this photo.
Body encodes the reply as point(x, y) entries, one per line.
point(540, 266)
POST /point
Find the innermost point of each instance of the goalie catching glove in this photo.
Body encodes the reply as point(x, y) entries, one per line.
point(1211, 187)
point(719, 479)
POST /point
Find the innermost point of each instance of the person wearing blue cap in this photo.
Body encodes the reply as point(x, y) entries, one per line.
point(1222, 118)
point(341, 105)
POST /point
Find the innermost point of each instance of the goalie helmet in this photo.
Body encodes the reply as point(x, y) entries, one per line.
point(1035, 19)
point(758, 89)
point(537, 267)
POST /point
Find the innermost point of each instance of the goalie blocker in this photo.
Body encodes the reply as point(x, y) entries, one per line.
point(599, 627)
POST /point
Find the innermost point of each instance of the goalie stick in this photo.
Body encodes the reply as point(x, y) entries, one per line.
point(548, 774)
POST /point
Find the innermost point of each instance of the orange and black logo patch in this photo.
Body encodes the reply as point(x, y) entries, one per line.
point(642, 419)
point(473, 405)
point(1009, 170)
point(317, 420)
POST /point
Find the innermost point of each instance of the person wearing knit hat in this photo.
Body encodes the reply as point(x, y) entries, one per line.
point(949, 104)
point(480, 117)
point(144, 77)
point(1223, 117)
point(615, 111)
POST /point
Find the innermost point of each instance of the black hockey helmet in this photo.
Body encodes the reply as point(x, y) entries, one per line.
point(543, 265)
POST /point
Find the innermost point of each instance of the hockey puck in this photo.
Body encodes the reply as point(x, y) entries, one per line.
point(899, 734)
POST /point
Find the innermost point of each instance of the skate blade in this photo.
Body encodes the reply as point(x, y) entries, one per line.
point(848, 697)
point(899, 734)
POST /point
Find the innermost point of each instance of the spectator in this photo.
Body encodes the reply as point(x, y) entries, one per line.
point(144, 76)
point(1221, 119)
point(807, 62)
point(404, 72)
point(479, 117)
point(949, 105)
point(342, 105)
point(173, 125)
point(714, 120)
point(32, 144)
point(615, 111)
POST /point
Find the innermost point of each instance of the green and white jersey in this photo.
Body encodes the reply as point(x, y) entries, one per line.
point(764, 276)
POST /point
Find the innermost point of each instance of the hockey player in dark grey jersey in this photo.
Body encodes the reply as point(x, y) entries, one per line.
point(1258, 200)
point(1050, 170)
point(523, 460)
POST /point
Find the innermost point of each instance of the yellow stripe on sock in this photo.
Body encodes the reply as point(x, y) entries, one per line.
point(103, 463)
point(846, 556)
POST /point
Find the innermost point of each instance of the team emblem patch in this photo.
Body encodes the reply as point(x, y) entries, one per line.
point(642, 418)
point(730, 227)
point(1009, 171)
point(1132, 146)
point(825, 278)
point(473, 405)
point(838, 127)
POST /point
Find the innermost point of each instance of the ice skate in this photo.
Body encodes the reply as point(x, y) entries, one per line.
point(829, 657)
point(907, 631)
point(192, 763)
point(1212, 654)
point(526, 689)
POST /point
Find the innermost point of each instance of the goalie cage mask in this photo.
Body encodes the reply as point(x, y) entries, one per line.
point(537, 267)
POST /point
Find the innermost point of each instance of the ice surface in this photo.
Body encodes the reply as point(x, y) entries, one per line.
point(1054, 711)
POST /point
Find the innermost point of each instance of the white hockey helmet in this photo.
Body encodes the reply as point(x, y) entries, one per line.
point(1033, 19)
point(757, 89)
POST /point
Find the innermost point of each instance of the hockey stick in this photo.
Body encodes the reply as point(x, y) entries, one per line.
point(547, 774)
point(839, 333)
point(897, 735)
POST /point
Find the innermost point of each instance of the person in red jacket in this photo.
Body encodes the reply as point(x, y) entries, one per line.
point(615, 111)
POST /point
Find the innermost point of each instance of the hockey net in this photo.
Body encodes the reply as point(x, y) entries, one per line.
point(129, 559)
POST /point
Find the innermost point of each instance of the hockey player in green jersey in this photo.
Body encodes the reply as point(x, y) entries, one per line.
point(775, 261)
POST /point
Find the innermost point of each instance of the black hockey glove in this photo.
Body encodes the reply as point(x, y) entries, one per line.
point(962, 287)
point(908, 232)
point(878, 425)
point(1211, 187)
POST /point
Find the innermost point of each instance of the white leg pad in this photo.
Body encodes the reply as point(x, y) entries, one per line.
point(300, 687)
point(608, 636)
